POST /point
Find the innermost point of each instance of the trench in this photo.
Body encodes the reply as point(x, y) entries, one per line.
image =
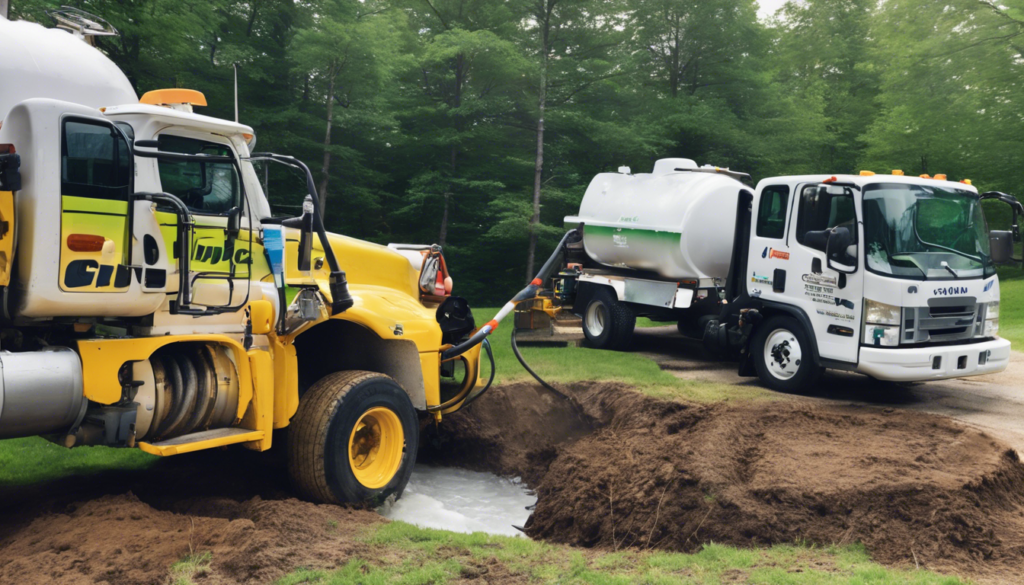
point(638, 472)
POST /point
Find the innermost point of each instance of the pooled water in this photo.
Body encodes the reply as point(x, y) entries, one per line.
point(463, 501)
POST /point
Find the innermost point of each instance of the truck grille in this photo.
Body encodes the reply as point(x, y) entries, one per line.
point(953, 319)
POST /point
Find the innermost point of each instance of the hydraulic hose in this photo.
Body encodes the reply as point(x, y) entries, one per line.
point(528, 293)
point(522, 360)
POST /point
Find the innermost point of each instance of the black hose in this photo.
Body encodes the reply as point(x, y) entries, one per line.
point(519, 356)
point(490, 354)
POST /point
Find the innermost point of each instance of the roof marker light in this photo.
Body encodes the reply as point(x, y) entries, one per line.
point(897, 173)
point(832, 179)
point(939, 177)
point(867, 173)
point(966, 182)
point(925, 176)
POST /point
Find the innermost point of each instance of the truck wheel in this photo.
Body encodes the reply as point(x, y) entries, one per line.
point(607, 323)
point(353, 439)
point(782, 355)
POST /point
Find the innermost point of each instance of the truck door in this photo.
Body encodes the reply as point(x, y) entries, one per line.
point(96, 180)
point(212, 192)
point(831, 299)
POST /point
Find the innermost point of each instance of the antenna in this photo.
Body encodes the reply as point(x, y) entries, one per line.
point(235, 65)
point(80, 23)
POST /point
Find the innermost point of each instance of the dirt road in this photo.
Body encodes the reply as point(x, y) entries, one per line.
point(993, 403)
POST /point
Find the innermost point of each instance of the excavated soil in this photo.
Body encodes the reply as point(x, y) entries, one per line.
point(630, 472)
point(912, 487)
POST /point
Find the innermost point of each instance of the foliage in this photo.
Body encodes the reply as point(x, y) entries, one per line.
point(421, 117)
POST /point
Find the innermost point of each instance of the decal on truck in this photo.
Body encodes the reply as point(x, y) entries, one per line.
point(758, 279)
point(949, 291)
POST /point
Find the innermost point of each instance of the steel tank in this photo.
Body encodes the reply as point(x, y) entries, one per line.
point(40, 392)
point(679, 221)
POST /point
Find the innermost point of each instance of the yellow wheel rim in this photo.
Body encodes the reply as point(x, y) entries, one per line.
point(375, 447)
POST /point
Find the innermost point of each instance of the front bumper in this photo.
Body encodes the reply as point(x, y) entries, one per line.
point(918, 364)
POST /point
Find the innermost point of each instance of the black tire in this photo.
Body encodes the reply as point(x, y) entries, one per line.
point(319, 435)
point(790, 365)
point(607, 323)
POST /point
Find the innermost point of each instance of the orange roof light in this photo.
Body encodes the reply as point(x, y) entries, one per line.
point(832, 179)
point(867, 174)
point(167, 97)
point(897, 173)
point(85, 243)
point(966, 182)
point(925, 176)
point(939, 177)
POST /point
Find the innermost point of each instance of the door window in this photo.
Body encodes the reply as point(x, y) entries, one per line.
point(771, 212)
point(824, 207)
point(95, 161)
point(205, 187)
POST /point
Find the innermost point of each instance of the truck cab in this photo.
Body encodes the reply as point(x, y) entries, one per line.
point(887, 275)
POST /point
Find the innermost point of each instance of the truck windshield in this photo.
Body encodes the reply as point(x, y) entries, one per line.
point(923, 232)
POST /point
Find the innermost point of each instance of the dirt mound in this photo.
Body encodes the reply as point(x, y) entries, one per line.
point(120, 539)
point(912, 487)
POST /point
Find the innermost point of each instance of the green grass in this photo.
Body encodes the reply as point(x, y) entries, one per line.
point(1011, 310)
point(34, 460)
point(419, 556)
point(187, 569)
point(572, 364)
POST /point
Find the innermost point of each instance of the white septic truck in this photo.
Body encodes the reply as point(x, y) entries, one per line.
point(887, 275)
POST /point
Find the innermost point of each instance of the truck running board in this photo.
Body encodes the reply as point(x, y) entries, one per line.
point(201, 440)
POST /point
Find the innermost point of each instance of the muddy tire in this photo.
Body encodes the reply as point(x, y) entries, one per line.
point(607, 323)
point(353, 439)
point(783, 357)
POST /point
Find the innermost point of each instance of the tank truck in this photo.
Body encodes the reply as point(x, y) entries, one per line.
point(152, 299)
point(890, 275)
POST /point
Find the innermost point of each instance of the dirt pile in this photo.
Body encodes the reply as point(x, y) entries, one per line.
point(911, 487)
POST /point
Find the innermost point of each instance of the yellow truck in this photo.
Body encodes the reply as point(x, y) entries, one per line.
point(151, 299)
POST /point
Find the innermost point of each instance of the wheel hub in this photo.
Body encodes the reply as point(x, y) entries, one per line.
point(782, 354)
point(595, 320)
point(375, 447)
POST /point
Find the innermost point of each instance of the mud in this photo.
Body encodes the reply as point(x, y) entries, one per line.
point(637, 472)
point(913, 488)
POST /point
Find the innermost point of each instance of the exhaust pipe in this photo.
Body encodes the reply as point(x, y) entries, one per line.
point(41, 392)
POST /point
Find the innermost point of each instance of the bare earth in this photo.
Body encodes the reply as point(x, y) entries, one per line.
point(993, 403)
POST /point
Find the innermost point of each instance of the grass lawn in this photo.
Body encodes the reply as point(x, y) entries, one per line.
point(571, 364)
point(1011, 308)
point(34, 460)
point(419, 556)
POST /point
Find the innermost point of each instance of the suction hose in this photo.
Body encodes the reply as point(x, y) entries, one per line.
point(527, 294)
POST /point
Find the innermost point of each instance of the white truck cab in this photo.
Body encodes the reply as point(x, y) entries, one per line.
point(887, 275)
point(892, 276)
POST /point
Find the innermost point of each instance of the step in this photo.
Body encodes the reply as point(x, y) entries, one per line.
point(201, 440)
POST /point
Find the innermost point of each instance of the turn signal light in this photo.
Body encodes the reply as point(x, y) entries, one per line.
point(85, 243)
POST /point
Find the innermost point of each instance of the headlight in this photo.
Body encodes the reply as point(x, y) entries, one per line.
point(881, 335)
point(992, 319)
point(880, 314)
point(992, 312)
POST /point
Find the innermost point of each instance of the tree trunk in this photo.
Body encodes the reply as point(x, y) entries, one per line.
point(538, 166)
point(324, 172)
point(442, 237)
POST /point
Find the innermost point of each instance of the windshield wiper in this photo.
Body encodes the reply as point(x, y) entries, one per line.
point(951, 271)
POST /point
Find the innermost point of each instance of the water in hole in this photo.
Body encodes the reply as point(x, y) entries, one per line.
point(463, 501)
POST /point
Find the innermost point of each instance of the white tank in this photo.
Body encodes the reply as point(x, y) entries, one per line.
point(41, 62)
point(675, 222)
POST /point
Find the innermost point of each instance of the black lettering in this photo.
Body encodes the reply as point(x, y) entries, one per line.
point(80, 273)
point(216, 255)
point(242, 257)
point(106, 271)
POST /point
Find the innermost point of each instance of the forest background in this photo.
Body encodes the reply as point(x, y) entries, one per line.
point(477, 124)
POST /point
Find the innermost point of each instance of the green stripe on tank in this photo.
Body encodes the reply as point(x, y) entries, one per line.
point(639, 234)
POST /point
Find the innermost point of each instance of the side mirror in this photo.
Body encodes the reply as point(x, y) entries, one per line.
point(1001, 246)
point(837, 251)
